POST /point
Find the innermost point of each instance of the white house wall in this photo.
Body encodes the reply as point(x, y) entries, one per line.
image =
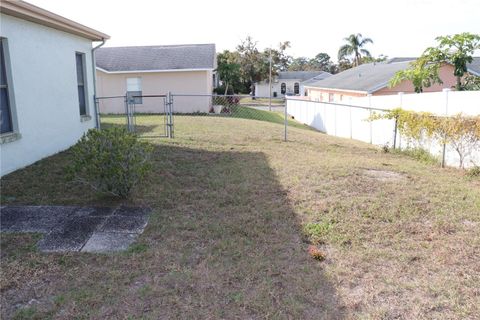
point(44, 81)
point(261, 88)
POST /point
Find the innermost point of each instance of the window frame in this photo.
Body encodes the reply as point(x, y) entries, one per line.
point(14, 134)
point(296, 88)
point(84, 84)
point(283, 88)
point(129, 93)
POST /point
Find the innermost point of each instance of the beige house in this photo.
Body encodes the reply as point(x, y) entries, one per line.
point(373, 78)
point(156, 70)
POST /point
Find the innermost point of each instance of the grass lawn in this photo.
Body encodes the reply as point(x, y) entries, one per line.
point(234, 212)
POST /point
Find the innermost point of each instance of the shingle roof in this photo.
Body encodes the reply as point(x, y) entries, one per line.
point(298, 75)
point(367, 77)
point(474, 67)
point(145, 58)
point(371, 77)
point(317, 78)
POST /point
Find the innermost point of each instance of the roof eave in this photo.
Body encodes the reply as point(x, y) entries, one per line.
point(154, 71)
point(338, 89)
point(29, 12)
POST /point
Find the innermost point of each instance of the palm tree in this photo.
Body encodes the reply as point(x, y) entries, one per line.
point(354, 46)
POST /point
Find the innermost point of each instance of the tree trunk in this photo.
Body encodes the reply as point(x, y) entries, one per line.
point(226, 88)
point(459, 83)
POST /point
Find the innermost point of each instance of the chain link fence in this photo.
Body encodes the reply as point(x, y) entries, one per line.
point(190, 115)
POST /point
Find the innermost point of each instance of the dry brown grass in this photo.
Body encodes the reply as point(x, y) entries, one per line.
point(235, 211)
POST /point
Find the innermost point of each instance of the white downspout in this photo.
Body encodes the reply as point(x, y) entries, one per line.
point(94, 67)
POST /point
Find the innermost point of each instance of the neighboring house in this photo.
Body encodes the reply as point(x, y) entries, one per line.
point(156, 70)
point(373, 78)
point(289, 83)
point(47, 83)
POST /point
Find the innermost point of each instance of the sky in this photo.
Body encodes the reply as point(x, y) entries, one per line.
point(402, 28)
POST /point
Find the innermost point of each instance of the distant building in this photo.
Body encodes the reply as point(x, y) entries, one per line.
point(156, 70)
point(373, 78)
point(289, 83)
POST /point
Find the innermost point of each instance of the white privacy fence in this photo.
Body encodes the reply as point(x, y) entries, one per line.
point(350, 120)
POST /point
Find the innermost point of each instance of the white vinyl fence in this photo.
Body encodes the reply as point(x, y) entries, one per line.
point(349, 120)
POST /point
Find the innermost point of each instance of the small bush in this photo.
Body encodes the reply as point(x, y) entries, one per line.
point(110, 161)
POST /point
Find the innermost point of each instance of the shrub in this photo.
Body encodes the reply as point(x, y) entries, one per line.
point(110, 161)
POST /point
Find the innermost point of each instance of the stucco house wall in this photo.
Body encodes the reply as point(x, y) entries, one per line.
point(156, 83)
point(44, 96)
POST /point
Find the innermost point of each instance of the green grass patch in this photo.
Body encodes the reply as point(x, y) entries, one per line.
point(419, 154)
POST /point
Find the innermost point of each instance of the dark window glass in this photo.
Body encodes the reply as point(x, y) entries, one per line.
point(283, 88)
point(81, 84)
point(5, 113)
point(296, 88)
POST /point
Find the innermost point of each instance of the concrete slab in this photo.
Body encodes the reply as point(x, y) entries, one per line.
point(70, 228)
point(34, 218)
point(104, 242)
point(124, 224)
point(71, 236)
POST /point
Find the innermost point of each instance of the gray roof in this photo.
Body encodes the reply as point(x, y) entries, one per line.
point(315, 79)
point(172, 57)
point(298, 75)
point(368, 77)
point(474, 67)
point(371, 77)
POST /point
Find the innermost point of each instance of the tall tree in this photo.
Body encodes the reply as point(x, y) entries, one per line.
point(321, 62)
point(228, 70)
point(254, 65)
point(299, 64)
point(354, 48)
point(456, 50)
point(421, 73)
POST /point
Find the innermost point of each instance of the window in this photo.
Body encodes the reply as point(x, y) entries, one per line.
point(6, 124)
point(296, 88)
point(330, 97)
point(82, 93)
point(283, 88)
point(134, 88)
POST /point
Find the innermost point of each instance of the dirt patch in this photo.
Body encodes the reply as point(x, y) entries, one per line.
point(384, 175)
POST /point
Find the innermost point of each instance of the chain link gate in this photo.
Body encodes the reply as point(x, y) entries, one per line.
point(155, 111)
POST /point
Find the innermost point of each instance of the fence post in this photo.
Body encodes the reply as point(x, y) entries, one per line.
point(444, 147)
point(286, 119)
point(169, 115)
point(395, 130)
point(370, 111)
point(97, 111)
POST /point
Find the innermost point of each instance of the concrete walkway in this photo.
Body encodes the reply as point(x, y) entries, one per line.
point(80, 229)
